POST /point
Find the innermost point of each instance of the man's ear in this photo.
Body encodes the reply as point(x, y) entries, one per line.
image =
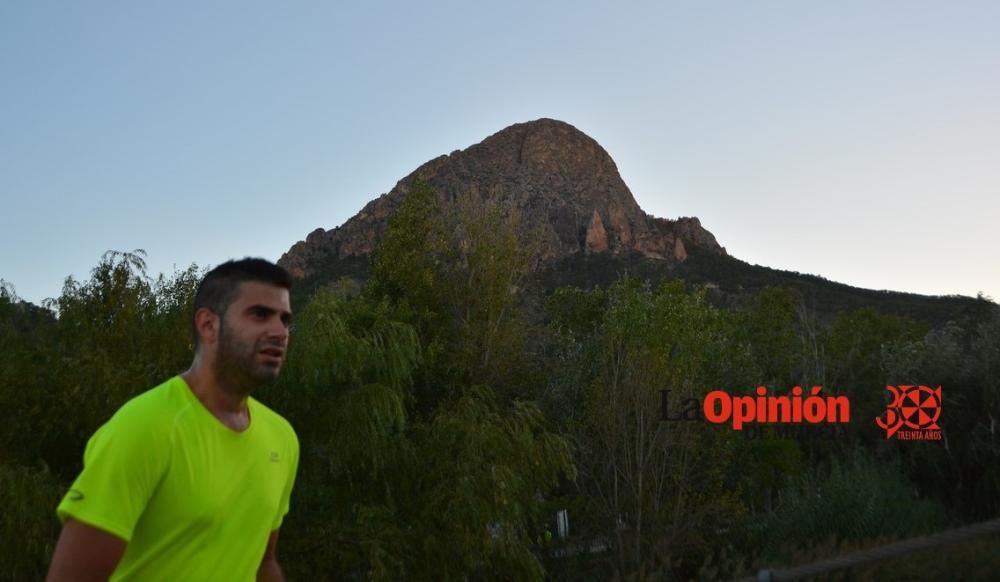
point(206, 323)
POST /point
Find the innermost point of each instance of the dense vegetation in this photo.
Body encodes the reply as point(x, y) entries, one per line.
point(442, 428)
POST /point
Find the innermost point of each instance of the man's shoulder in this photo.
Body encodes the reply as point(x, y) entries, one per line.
point(145, 426)
point(156, 408)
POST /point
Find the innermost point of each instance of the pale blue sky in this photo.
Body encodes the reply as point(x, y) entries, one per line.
point(859, 141)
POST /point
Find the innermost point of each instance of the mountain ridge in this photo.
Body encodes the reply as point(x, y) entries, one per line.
point(590, 228)
point(561, 180)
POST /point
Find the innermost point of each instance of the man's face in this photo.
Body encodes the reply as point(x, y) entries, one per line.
point(253, 336)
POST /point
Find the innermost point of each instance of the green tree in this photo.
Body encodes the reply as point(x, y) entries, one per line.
point(456, 273)
point(854, 344)
point(493, 259)
point(386, 493)
point(64, 372)
point(651, 482)
point(412, 466)
point(964, 359)
point(768, 328)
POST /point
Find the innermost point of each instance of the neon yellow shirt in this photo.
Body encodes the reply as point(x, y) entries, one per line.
point(194, 499)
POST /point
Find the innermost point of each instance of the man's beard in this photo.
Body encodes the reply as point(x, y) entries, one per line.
point(236, 367)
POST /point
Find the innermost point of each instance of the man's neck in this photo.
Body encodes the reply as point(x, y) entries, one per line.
point(228, 406)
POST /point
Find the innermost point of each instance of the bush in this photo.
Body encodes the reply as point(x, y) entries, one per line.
point(29, 527)
point(848, 501)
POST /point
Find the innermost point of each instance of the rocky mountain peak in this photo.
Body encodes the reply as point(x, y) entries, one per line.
point(541, 148)
point(563, 183)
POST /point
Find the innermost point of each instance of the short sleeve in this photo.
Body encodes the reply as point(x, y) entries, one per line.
point(286, 494)
point(122, 466)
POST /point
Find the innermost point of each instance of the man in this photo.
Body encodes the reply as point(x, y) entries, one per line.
point(191, 480)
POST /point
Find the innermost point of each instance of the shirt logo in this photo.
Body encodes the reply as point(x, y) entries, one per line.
point(275, 457)
point(75, 495)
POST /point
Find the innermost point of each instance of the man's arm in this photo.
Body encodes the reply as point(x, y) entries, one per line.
point(84, 553)
point(270, 570)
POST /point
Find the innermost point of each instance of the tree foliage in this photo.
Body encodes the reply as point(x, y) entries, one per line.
point(413, 467)
point(649, 483)
point(441, 426)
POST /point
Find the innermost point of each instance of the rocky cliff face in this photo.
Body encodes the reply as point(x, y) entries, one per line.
point(564, 185)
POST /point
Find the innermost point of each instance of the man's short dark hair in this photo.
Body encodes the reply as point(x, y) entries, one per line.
point(218, 289)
